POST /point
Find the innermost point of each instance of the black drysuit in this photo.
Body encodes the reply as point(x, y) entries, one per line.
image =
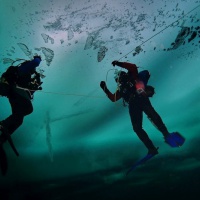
point(20, 99)
point(138, 102)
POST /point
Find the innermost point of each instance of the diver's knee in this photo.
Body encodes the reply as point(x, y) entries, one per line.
point(19, 119)
point(28, 110)
point(137, 128)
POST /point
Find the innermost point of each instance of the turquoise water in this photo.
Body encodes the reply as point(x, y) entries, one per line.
point(75, 134)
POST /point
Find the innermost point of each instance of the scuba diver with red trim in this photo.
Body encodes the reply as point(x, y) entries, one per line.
point(133, 88)
point(18, 84)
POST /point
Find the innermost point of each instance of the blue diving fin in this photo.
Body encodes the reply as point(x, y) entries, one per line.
point(175, 139)
point(142, 161)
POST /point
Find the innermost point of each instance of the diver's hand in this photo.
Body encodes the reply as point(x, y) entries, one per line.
point(114, 63)
point(103, 85)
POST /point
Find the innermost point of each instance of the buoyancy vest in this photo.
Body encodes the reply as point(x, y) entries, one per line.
point(128, 86)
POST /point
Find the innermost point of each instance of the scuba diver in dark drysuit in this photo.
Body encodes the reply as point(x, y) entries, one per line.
point(18, 84)
point(133, 88)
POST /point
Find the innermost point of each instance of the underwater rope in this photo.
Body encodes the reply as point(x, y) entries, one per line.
point(65, 94)
point(161, 30)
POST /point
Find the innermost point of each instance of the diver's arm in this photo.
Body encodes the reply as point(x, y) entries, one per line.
point(132, 68)
point(113, 97)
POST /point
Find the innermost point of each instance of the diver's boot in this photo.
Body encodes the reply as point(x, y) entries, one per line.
point(174, 139)
point(153, 152)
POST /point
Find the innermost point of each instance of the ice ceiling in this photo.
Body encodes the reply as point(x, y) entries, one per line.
point(75, 131)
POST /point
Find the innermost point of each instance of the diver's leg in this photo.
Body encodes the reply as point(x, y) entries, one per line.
point(4, 89)
point(135, 112)
point(20, 108)
point(154, 116)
